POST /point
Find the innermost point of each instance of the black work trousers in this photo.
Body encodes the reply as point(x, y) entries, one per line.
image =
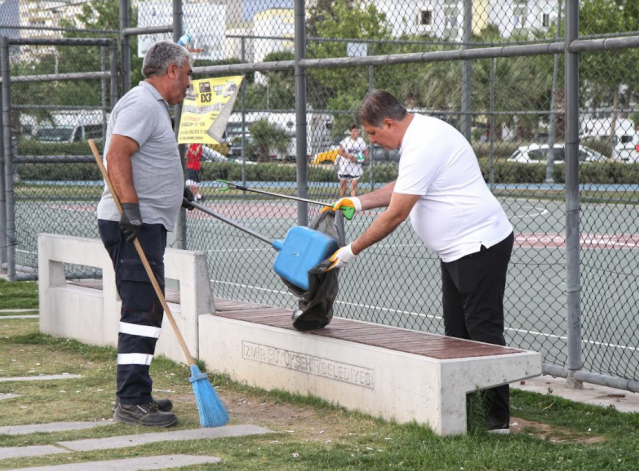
point(142, 312)
point(473, 299)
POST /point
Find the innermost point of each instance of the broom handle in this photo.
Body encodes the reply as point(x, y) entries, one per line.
point(145, 262)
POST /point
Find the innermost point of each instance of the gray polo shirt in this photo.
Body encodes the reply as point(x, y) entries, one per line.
point(143, 115)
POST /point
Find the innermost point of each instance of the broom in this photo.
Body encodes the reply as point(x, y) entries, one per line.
point(211, 410)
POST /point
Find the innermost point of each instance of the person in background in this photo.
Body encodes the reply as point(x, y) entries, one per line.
point(193, 167)
point(142, 158)
point(352, 152)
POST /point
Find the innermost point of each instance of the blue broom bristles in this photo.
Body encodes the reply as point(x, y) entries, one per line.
point(211, 410)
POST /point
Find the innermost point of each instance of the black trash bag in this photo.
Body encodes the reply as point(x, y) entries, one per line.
point(316, 304)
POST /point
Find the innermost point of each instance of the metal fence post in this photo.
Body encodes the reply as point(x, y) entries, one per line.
point(300, 112)
point(243, 119)
point(573, 289)
point(8, 160)
point(126, 49)
point(491, 128)
point(180, 227)
point(113, 63)
point(371, 76)
point(467, 71)
point(552, 131)
point(3, 202)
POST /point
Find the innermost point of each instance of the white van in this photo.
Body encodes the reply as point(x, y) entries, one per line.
point(72, 126)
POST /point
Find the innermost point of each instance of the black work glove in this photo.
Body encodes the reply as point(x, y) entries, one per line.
point(188, 199)
point(131, 220)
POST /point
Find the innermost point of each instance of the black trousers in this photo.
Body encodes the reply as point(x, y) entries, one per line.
point(473, 299)
point(142, 312)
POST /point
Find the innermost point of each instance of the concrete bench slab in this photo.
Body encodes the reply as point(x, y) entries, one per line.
point(383, 371)
point(131, 464)
point(125, 441)
point(52, 427)
point(26, 451)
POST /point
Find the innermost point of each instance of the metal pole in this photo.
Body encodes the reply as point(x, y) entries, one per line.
point(371, 87)
point(552, 131)
point(467, 71)
point(300, 112)
point(113, 63)
point(8, 164)
point(243, 118)
point(573, 289)
point(3, 202)
point(491, 128)
point(126, 48)
point(180, 228)
point(103, 90)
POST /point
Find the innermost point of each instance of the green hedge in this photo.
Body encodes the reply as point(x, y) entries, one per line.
point(33, 147)
point(505, 172)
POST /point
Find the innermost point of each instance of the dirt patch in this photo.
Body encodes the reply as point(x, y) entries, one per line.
point(552, 434)
point(304, 421)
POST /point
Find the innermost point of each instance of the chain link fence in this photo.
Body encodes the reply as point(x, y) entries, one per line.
point(510, 103)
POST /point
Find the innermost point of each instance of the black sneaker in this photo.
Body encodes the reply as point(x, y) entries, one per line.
point(144, 414)
point(164, 405)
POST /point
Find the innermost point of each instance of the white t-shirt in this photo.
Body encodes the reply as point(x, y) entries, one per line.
point(352, 147)
point(456, 213)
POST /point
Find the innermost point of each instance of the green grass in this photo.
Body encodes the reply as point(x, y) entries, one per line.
point(18, 295)
point(310, 434)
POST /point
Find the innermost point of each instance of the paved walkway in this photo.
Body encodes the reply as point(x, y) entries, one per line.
point(623, 401)
point(126, 441)
point(19, 310)
point(131, 464)
point(34, 316)
point(38, 378)
point(53, 427)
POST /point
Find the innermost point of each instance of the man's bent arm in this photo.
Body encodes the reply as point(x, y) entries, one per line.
point(380, 198)
point(121, 149)
point(399, 209)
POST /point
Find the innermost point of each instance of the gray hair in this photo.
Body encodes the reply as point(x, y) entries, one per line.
point(161, 55)
point(379, 105)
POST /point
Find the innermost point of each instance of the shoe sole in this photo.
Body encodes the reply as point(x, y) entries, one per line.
point(130, 421)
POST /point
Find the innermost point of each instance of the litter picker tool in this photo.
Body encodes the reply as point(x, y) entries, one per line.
point(211, 410)
point(301, 250)
point(348, 211)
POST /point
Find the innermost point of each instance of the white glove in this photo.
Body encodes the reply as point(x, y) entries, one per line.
point(342, 257)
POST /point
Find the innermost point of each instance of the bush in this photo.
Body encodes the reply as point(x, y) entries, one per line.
point(33, 147)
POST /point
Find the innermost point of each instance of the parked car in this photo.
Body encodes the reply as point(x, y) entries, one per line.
point(537, 153)
point(626, 148)
point(379, 154)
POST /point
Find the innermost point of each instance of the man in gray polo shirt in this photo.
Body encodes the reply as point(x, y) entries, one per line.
point(141, 155)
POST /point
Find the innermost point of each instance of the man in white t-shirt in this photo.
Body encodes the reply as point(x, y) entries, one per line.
point(352, 152)
point(441, 188)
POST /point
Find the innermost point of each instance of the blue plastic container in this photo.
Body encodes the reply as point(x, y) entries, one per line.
point(301, 250)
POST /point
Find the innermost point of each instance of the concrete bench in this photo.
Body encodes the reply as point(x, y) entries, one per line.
point(383, 371)
point(90, 311)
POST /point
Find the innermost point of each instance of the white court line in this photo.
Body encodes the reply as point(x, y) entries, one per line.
point(238, 250)
point(430, 316)
point(543, 212)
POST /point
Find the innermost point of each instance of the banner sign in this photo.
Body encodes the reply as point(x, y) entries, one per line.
point(206, 109)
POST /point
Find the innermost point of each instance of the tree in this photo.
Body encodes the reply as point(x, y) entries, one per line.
point(605, 73)
point(267, 138)
point(354, 19)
